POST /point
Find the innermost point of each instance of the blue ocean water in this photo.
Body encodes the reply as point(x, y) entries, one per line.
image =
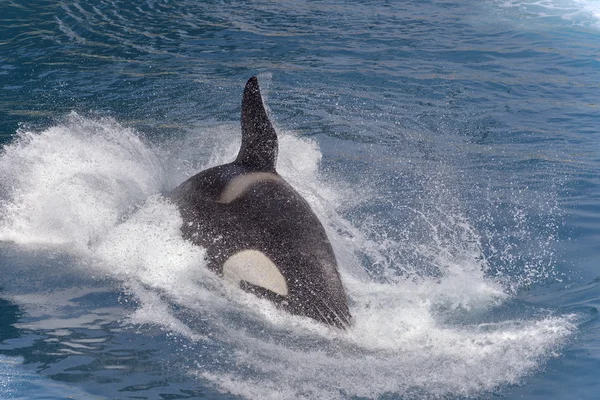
point(449, 148)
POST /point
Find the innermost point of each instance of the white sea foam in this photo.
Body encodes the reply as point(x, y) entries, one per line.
point(93, 186)
point(580, 12)
point(72, 183)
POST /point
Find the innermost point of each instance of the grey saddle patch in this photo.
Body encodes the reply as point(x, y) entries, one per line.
point(240, 184)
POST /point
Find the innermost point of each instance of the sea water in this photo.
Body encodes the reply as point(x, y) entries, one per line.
point(449, 149)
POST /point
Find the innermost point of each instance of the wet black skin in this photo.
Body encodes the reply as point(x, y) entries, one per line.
point(270, 216)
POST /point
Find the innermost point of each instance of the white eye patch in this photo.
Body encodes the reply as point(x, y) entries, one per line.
point(240, 184)
point(255, 268)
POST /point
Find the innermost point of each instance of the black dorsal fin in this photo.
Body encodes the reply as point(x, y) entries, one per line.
point(259, 139)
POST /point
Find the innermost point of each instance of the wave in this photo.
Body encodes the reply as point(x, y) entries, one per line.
point(578, 12)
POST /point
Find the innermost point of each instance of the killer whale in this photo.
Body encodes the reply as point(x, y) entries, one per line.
point(257, 230)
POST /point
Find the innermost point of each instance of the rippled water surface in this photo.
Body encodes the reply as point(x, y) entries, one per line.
point(449, 148)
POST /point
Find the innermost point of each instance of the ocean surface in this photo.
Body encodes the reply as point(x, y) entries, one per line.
point(450, 148)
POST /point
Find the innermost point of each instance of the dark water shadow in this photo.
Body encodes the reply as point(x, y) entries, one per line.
point(9, 315)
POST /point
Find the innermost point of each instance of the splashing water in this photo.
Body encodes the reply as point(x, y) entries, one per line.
point(74, 182)
point(92, 188)
point(579, 12)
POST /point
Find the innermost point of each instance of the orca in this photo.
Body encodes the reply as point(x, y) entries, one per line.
point(258, 231)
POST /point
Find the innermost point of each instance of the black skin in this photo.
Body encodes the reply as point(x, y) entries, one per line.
point(270, 216)
point(273, 218)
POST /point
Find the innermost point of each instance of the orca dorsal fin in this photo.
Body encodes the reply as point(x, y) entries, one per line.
point(259, 139)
